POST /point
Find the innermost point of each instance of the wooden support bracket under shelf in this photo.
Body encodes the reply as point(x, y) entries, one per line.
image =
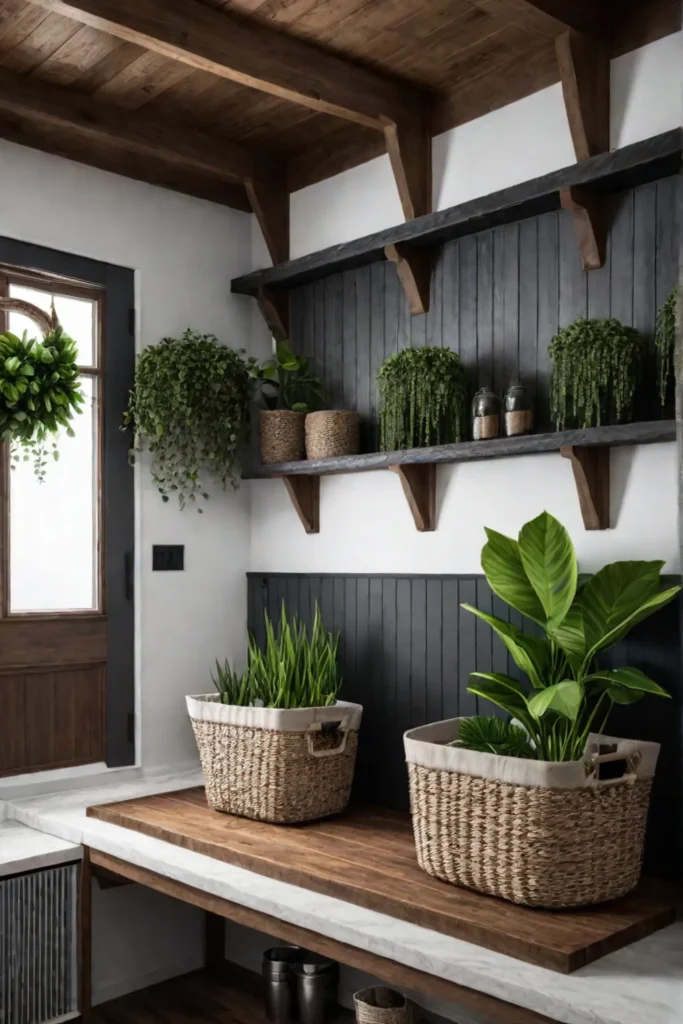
point(419, 487)
point(304, 492)
point(274, 306)
point(414, 268)
point(589, 211)
point(591, 475)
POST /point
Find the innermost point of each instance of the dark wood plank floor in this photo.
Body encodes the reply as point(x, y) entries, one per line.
point(367, 856)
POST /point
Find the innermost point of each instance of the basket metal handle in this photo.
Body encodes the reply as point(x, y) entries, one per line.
point(629, 776)
point(317, 727)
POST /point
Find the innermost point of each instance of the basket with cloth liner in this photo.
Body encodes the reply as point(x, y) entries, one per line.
point(546, 834)
point(277, 765)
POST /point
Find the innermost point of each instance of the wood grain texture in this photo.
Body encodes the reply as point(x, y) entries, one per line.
point(414, 269)
point(269, 200)
point(274, 308)
point(419, 487)
point(409, 145)
point(366, 856)
point(490, 1009)
point(591, 475)
point(551, 17)
point(584, 65)
point(639, 163)
point(589, 212)
point(304, 492)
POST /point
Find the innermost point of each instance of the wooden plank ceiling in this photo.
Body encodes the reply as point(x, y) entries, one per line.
point(155, 90)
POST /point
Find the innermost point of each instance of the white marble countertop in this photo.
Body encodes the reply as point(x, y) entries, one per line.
point(26, 849)
point(641, 984)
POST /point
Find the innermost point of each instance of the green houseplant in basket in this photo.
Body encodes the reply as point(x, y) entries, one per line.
point(289, 391)
point(595, 373)
point(423, 398)
point(39, 387)
point(543, 765)
point(275, 741)
point(189, 407)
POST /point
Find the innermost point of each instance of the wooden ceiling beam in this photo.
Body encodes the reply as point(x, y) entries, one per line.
point(128, 130)
point(549, 18)
point(584, 66)
point(250, 53)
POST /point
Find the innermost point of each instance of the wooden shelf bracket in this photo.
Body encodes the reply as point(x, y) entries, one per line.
point(419, 486)
point(591, 475)
point(274, 306)
point(304, 492)
point(589, 210)
point(414, 269)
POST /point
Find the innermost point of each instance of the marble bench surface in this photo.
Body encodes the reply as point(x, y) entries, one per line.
point(641, 984)
point(26, 849)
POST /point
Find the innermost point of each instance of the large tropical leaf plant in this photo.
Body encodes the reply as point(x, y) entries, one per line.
point(569, 694)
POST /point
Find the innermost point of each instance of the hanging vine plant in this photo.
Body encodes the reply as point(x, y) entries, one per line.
point(596, 366)
point(189, 407)
point(39, 388)
point(665, 342)
point(423, 396)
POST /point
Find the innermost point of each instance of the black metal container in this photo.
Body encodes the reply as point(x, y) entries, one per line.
point(279, 982)
point(317, 980)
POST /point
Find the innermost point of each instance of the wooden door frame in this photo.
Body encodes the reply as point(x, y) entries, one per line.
point(118, 522)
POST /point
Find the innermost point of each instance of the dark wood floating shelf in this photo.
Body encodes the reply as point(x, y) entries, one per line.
point(586, 450)
point(633, 165)
point(366, 856)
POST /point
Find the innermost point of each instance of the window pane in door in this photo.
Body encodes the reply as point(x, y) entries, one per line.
point(54, 525)
point(78, 317)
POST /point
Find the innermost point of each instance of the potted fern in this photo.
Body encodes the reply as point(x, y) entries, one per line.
point(275, 742)
point(543, 807)
point(289, 391)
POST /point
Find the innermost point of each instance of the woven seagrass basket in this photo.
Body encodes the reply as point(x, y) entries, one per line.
point(282, 435)
point(545, 834)
point(332, 432)
point(283, 766)
point(381, 1005)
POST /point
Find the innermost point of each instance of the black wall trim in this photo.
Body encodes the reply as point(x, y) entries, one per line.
point(407, 649)
point(119, 340)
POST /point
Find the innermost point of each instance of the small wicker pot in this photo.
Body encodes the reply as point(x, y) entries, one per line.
point(332, 432)
point(545, 834)
point(282, 435)
point(380, 1005)
point(282, 766)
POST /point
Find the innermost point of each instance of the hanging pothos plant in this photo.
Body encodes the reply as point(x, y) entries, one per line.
point(665, 342)
point(189, 407)
point(39, 393)
point(596, 365)
point(423, 396)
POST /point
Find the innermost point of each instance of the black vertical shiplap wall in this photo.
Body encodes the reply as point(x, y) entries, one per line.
point(407, 648)
point(497, 299)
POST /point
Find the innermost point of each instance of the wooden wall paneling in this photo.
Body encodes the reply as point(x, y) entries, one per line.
point(409, 648)
point(377, 273)
point(528, 307)
point(644, 280)
point(511, 286)
point(484, 294)
point(13, 743)
point(364, 383)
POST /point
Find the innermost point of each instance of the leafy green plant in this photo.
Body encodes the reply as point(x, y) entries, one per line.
point(423, 394)
point(578, 618)
point(665, 341)
point(596, 366)
point(297, 669)
point(189, 407)
point(39, 393)
point(285, 382)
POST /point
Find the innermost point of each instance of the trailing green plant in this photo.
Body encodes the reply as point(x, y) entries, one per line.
point(39, 393)
point(665, 341)
point(596, 366)
point(297, 669)
point(569, 694)
point(286, 382)
point(423, 396)
point(189, 407)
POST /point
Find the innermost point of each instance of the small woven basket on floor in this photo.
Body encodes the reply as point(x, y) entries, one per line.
point(545, 834)
point(332, 432)
point(380, 1005)
point(282, 435)
point(282, 766)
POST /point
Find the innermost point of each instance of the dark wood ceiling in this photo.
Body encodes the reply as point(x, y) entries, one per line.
point(469, 56)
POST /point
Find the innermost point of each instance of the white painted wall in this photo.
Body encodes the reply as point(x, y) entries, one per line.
point(365, 522)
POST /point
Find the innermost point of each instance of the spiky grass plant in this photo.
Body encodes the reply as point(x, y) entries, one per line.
point(297, 669)
point(665, 342)
point(596, 366)
point(423, 395)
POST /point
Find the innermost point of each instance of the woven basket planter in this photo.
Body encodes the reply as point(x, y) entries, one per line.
point(282, 435)
point(332, 432)
point(546, 834)
point(275, 765)
point(380, 1005)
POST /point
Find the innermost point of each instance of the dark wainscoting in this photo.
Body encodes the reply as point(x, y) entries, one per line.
point(498, 298)
point(407, 648)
